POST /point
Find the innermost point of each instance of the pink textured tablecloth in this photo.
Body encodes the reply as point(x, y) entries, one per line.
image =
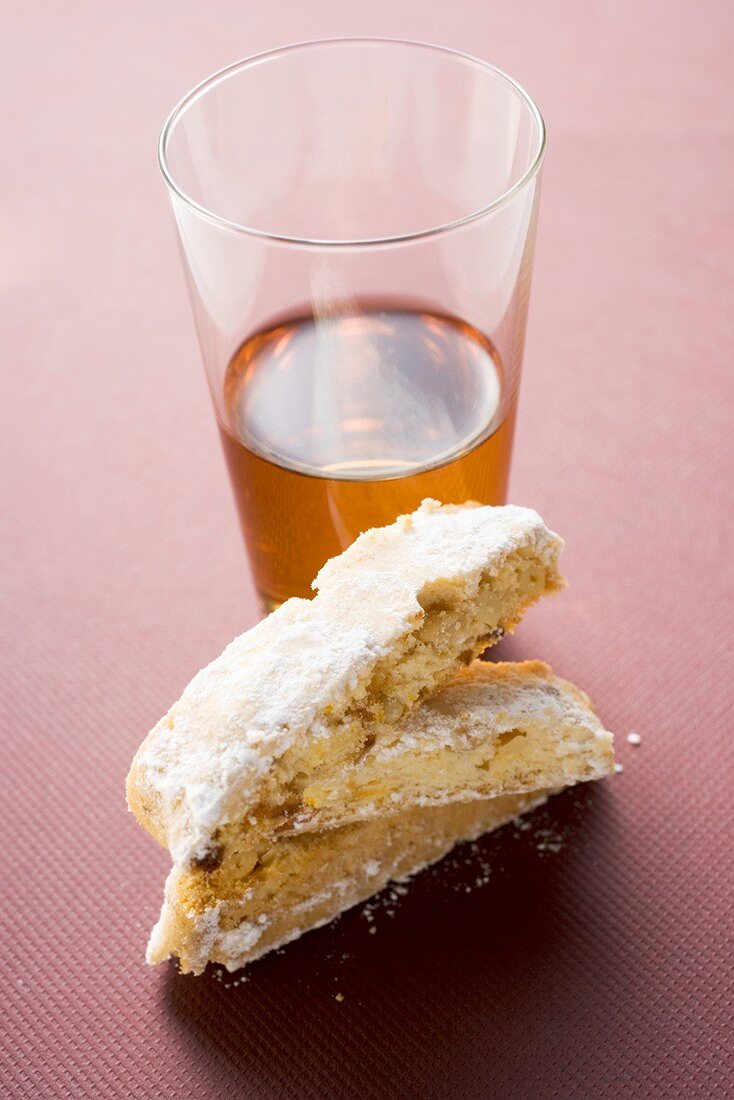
point(596, 960)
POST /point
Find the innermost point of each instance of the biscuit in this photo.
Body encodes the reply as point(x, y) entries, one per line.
point(485, 748)
point(319, 683)
point(496, 728)
point(309, 879)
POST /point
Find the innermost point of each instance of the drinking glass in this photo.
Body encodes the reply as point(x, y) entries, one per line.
point(357, 221)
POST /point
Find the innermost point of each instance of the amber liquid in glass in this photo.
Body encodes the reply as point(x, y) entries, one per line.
point(334, 425)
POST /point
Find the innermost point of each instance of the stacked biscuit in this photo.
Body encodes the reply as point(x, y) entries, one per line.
point(354, 738)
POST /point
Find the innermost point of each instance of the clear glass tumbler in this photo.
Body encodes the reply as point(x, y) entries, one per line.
point(357, 220)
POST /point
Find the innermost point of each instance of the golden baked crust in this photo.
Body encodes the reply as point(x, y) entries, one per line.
point(315, 684)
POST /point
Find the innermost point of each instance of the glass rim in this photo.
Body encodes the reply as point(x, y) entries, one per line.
point(223, 74)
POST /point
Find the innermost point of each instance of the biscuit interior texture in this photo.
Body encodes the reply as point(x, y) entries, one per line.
point(494, 728)
point(305, 881)
point(262, 739)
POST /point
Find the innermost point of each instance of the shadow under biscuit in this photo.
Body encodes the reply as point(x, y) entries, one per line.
point(404, 994)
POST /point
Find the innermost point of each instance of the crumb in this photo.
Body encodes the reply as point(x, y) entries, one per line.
point(547, 840)
point(338, 996)
point(634, 738)
point(619, 768)
point(373, 929)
